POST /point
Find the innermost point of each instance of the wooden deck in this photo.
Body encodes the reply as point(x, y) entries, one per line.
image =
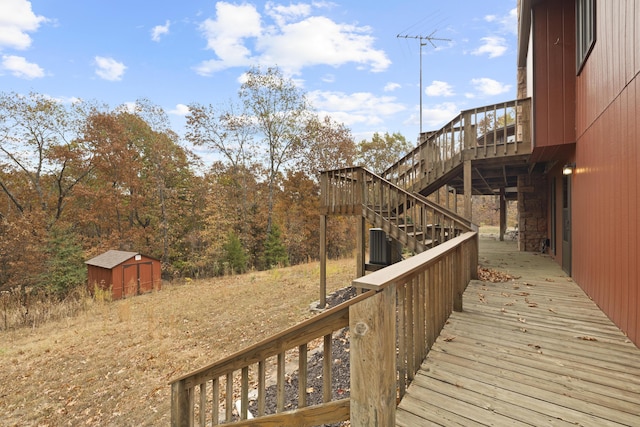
point(532, 351)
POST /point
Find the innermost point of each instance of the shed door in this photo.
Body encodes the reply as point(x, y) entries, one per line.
point(566, 224)
point(137, 278)
point(130, 280)
point(145, 277)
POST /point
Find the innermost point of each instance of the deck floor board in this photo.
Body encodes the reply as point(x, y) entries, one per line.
point(531, 351)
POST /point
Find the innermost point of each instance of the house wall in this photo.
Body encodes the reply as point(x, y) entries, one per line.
point(553, 77)
point(606, 184)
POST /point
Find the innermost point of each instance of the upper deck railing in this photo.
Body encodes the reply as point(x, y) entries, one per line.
point(497, 130)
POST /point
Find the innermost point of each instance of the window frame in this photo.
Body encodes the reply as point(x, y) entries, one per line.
point(585, 31)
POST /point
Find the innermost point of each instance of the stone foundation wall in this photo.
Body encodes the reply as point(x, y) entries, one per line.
point(532, 211)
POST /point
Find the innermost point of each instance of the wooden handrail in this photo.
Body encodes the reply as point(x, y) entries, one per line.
point(392, 327)
point(419, 294)
point(185, 388)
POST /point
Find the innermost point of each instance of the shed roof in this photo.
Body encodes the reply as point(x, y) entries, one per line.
point(111, 258)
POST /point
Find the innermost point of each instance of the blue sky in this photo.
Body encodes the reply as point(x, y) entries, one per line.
point(344, 54)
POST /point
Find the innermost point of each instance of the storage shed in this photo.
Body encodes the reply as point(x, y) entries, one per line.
point(127, 273)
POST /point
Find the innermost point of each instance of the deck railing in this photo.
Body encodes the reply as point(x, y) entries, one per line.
point(392, 326)
point(413, 220)
point(486, 132)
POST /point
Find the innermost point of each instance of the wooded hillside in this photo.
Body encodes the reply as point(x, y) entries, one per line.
point(79, 179)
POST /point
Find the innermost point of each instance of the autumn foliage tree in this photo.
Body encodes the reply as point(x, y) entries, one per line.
point(382, 151)
point(77, 179)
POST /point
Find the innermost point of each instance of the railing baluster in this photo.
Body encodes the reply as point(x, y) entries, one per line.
point(261, 387)
point(215, 399)
point(302, 376)
point(402, 349)
point(280, 382)
point(244, 402)
point(326, 369)
point(409, 320)
point(229, 398)
point(203, 404)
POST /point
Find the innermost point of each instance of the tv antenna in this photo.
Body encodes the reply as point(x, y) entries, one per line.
point(423, 42)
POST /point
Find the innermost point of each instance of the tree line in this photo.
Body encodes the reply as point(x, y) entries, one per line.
point(78, 179)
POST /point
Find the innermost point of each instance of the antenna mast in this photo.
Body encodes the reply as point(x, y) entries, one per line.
point(423, 40)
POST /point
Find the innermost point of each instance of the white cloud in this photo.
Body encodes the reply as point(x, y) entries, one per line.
point(508, 22)
point(19, 67)
point(494, 46)
point(317, 40)
point(226, 34)
point(489, 87)
point(355, 108)
point(390, 87)
point(109, 68)
point(160, 30)
point(434, 117)
point(289, 36)
point(283, 14)
point(180, 110)
point(438, 88)
point(329, 78)
point(16, 21)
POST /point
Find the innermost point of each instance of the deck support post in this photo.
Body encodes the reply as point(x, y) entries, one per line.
point(467, 189)
point(372, 323)
point(503, 213)
point(323, 262)
point(360, 258)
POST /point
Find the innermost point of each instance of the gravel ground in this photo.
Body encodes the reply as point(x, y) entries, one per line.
point(340, 370)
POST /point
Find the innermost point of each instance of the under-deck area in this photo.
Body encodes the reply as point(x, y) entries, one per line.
point(534, 350)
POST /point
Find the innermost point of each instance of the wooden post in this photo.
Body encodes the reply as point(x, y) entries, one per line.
point(372, 323)
point(360, 246)
point(467, 189)
point(181, 405)
point(503, 213)
point(323, 262)
point(455, 200)
point(458, 278)
point(475, 248)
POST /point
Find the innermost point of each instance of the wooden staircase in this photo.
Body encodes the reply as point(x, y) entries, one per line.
point(410, 218)
point(480, 151)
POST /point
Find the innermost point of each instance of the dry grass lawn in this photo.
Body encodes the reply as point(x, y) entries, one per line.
point(110, 365)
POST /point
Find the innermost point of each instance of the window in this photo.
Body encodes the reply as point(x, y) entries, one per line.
point(585, 30)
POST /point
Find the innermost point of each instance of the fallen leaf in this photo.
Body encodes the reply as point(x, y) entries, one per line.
point(449, 339)
point(587, 338)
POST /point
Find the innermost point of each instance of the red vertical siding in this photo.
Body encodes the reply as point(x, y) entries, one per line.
point(607, 183)
point(554, 74)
